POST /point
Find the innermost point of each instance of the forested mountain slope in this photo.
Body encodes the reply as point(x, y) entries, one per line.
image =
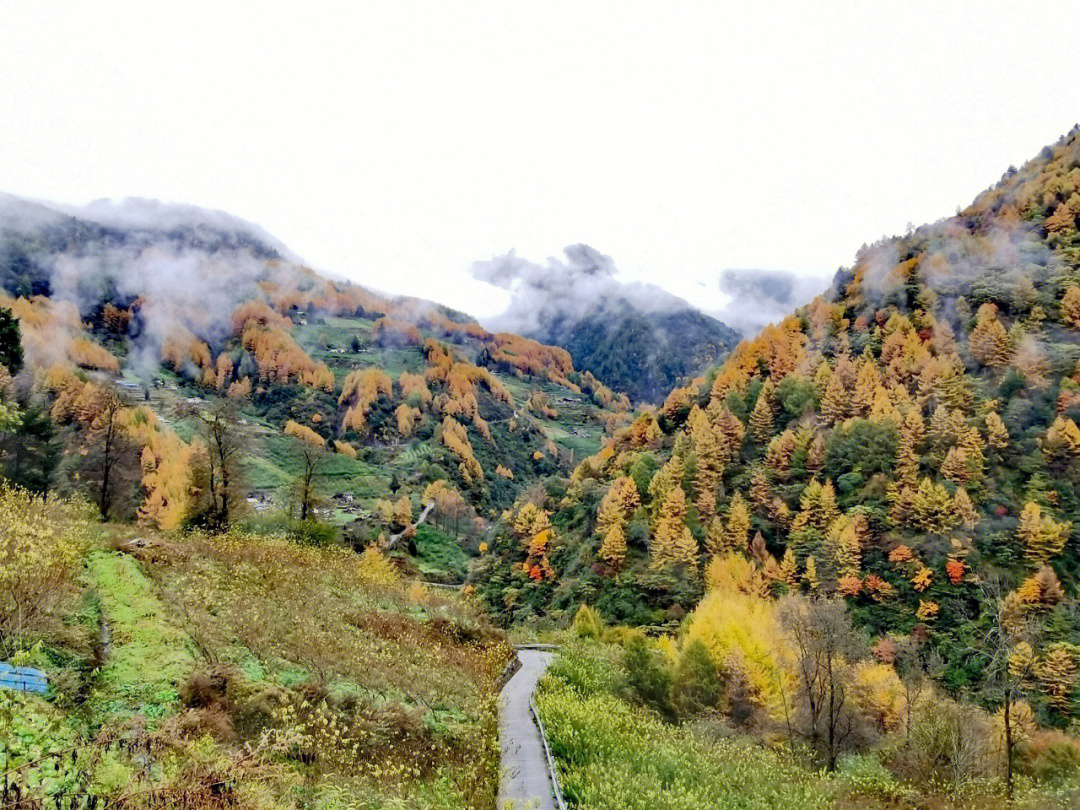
point(908, 443)
point(239, 384)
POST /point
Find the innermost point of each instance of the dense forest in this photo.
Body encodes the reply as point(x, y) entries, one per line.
point(874, 496)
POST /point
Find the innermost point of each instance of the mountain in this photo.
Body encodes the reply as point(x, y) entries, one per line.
point(907, 442)
point(173, 304)
point(635, 337)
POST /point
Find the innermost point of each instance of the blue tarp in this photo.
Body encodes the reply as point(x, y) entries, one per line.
point(23, 679)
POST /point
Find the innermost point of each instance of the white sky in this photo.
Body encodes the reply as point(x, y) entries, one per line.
point(395, 143)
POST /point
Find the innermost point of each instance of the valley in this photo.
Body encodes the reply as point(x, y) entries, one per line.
point(276, 539)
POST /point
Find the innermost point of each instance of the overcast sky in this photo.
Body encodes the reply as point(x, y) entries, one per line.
point(396, 143)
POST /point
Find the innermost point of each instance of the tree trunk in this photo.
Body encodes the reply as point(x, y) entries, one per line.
point(106, 468)
point(1008, 746)
point(832, 716)
point(224, 513)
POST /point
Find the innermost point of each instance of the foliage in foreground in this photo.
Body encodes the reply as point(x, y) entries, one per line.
point(614, 749)
point(243, 671)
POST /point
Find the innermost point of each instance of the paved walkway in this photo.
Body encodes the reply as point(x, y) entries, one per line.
point(524, 782)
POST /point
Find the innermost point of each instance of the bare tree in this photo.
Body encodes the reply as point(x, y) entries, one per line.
point(109, 457)
point(313, 453)
point(218, 427)
point(823, 643)
point(312, 456)
point(914, 664)
point(1008, 645)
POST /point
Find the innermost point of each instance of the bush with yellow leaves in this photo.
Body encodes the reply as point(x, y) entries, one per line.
point(42, 542)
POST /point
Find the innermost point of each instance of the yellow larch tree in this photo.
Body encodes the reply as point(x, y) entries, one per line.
point(1057, 675)
point(737, 528)
point(817, 506)
point(989, 342)
point(997, 436)
point(836, 402)
point(779, 453)
point(867, 383)
point(932, 510)
point(613, 547)
point(668, 477)
point(710, 452)
point(672, 543)
point(955, 466)
point(620, 500)
point(1043, 537)
point(1070, 307)
point(761, 417)
point(965, 509)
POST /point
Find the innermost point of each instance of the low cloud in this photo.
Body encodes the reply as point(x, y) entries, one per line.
point(569, 289)
point(761, 297)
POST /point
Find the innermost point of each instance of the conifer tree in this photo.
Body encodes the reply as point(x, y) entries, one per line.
point(621, 499)
point(761, 419)
point(822, 377)
point(1043, 537)
point(843, 545)
point(673, 544)
point(955, 466)
point(613, 548)
point(737, 529)
point(715, 541)
point(1070, 307)
point(789, 571)
point(971, 442)
point(866, 385)
point(965, 509)
point(997, 434)
point(669, 477)
point(1056, 673)
point(811, 574)
point(710, 452)
point(932, 509)
point(760, 491)
point(779, 453)
point(836, 402)
point(817, 507)
point(815, 454)
point(989, 342)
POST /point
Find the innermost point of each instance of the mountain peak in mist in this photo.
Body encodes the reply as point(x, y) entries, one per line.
point(637, 337)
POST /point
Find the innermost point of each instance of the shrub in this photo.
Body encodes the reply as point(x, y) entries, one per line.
point(647, 676)
point(587, 623)
point(697, 685)
point(612, 755)
point(865, 774)
point(950, 742)
point(42, 541)
point(1057, 762)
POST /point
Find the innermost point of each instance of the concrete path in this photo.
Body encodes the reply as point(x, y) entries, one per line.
point(396, 538)
point(524, 781)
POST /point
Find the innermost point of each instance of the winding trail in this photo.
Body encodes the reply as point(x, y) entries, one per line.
point(395, 538)
point(524, 781)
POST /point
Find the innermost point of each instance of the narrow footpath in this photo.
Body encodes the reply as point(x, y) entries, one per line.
point(524, 781)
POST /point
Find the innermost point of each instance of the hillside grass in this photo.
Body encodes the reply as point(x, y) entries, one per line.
point(148, 656)
point(283, 676)
point(439, 556)
point(276, 463)
point(612, 754)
